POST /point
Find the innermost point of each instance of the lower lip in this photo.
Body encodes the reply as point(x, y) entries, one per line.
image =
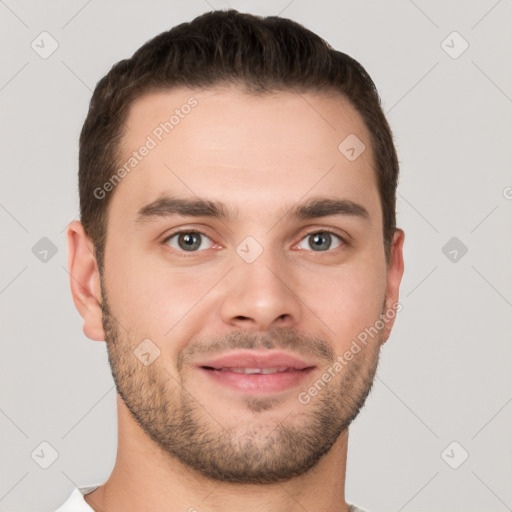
point(257, 383)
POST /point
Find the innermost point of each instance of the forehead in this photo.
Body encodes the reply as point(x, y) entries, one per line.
point(243, 149)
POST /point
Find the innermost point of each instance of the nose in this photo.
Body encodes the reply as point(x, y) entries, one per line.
point(261, 295)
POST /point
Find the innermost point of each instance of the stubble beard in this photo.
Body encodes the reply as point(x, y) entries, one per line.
point(254, 452)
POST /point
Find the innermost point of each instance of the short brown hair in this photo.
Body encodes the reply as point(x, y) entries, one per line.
point(259, 54)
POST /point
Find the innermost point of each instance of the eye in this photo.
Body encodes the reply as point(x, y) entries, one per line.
point(194, 241)
point(190, 241)
point(321, 240)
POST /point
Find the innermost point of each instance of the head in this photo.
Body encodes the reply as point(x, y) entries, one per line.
point(269, 151)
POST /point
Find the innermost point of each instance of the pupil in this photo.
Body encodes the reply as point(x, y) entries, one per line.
point(190, 241)
point(322, 240)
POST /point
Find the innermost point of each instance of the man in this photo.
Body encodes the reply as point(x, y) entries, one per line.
point(238, 253)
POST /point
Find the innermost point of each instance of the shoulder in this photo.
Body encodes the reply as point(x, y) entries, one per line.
point(353, 508)
point(76, 501)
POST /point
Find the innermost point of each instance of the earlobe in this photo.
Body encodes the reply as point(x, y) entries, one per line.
point(394, 277)
point(85, 281)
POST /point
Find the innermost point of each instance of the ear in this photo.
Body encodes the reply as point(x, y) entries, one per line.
point(394, 277)
point(85, 280)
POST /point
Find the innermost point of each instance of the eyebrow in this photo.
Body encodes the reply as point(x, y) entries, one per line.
point(317, 207)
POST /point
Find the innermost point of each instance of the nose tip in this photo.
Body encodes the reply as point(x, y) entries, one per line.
point(260, 298)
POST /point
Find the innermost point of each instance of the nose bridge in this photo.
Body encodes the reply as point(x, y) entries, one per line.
point(260, 291)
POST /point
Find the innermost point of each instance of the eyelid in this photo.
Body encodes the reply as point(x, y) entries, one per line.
point(343, 238)
point(311, 231)
point(186, 230)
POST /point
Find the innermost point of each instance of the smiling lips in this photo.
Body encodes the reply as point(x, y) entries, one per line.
point(257, 372)
point(262, 371)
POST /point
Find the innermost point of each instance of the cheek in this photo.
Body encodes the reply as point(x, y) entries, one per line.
point(151, 299)
point(144, 294)
point(347, 300)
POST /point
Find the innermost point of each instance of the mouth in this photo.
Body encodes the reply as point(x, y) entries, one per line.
point(257, 373)
point(252, 371)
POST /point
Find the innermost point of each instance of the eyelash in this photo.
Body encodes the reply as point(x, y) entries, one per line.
point(344, 242)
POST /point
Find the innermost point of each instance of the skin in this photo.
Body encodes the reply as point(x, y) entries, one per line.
point(260, 155)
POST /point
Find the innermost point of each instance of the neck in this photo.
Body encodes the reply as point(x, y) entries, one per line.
point(146, 478)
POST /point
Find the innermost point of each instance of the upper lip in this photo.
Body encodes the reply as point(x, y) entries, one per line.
point(252, 359)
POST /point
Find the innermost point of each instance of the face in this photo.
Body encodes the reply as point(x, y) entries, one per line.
point(229, 321)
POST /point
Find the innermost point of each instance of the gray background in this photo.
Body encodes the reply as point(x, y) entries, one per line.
point(445, 372)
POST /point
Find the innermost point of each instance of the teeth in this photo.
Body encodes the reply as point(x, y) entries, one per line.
point(263, 371)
